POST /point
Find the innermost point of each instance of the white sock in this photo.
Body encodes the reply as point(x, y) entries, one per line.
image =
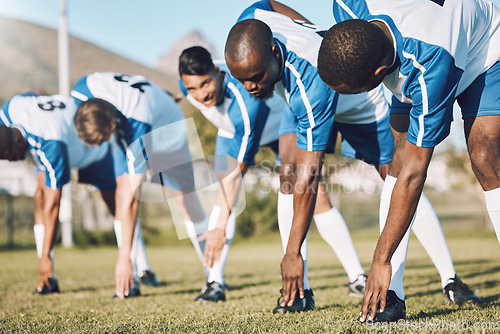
point(193, 231)
point(399, 257)
point(216, 273)
point(492, 198)
point(118, 233)
point(39, 232)
point(141, 257)
point(428, 231)
point(333, 229)
point(285, 218)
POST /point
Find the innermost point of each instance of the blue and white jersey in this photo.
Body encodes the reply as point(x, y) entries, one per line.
point(47, 124)
point(441, 48)
point(312, 101)
point(142, 107)
point(240, 117)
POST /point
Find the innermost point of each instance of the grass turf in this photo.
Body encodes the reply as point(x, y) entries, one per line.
point(86, 279)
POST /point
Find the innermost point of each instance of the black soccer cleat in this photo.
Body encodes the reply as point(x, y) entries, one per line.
point(214, 292)
point(395, 309)
point(309, 297)
point(53, 287)
point(149, 278)
point(357, 287)
point(457, 292)
point(299, 305)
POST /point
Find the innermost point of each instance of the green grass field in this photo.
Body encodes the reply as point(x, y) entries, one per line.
point(86, 278)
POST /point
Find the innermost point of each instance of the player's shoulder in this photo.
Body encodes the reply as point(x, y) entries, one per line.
point(249, 12)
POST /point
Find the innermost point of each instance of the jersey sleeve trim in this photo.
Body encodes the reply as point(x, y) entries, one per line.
point(246, 121)
point(307, 104)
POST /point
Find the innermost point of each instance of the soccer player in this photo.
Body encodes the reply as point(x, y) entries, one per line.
point(132, 111)
point(244, 124)
point(286, 65)
point(454, 58)
point(41, 127)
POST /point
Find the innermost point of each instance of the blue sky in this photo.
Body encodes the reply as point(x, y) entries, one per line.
point(145, 30)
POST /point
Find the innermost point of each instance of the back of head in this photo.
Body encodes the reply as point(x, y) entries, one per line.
point(195, 60)
point(350, 53)
point(247, 37)
point(95, 121)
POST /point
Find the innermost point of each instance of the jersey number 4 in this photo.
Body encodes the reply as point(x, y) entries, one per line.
point(137, 85)
point(439, 2)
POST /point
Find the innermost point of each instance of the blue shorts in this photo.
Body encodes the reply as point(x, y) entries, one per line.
point(172, 169)
point(372, 142)
point(100, 174)
point(482, 97)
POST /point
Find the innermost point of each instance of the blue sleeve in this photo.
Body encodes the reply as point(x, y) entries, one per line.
point(53, 157)
point(28, 93)
point(432, 85)
point(80, 91)
point(314, 127)
point(349, 9)
point(312, 102)
point(183, 87)
point(249, 12)
point(249, 117)
point(131, 135)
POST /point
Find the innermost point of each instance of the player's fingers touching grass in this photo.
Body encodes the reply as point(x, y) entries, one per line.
point(366, 303)
point(214, 242)
point(124, 279)
point(45, 268)
point(292, 273)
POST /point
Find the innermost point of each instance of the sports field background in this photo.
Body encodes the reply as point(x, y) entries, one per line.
point(86, 278)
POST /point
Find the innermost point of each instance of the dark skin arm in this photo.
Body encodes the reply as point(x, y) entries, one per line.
point(305, 192)
point(47, 203)
point(404, 200)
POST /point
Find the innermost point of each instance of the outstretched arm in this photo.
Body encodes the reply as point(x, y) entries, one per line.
point(47, 202)
point(215, 239)
point(305, 189)
point(404, 200)
point(127, 207)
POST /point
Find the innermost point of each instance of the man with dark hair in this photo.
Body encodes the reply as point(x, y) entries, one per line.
point(455, 58)
point(287, 66)
point(140, 112)
point(42, 126)
point(246, 123)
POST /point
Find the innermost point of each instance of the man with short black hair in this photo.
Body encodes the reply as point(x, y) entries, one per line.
point(455, 58)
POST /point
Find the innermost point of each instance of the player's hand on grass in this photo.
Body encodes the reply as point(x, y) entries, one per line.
point(292, 275)
point(45, 268)
point(214, 242)
point(124, 278)
point(376, 288)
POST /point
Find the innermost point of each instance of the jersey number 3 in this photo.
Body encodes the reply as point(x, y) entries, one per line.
point(51, 105)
